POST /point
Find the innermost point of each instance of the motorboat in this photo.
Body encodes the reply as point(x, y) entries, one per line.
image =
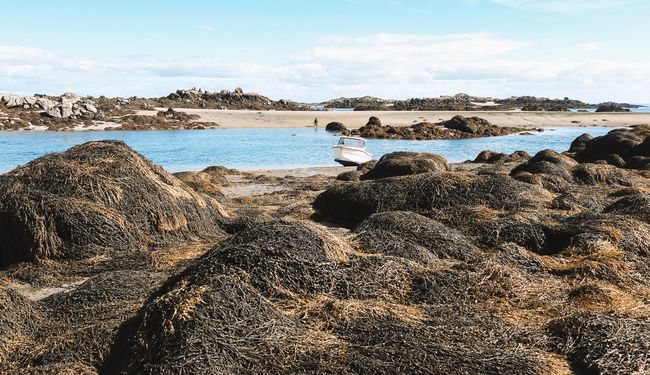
point(351, 151)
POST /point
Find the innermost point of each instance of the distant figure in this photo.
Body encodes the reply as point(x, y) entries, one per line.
point(316, 122)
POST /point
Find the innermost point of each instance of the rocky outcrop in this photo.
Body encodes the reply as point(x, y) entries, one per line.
point(629, 148)
point(458, 127)
point(68, 105)
point(611, 107)
point(225, 99)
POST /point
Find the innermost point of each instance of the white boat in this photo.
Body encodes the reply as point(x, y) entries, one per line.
point(351, 151)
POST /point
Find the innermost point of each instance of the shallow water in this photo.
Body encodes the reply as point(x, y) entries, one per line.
point(182, 150)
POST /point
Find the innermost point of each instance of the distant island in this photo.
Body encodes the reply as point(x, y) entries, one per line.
point(73, 112)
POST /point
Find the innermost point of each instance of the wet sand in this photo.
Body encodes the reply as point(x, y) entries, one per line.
point(355, 119)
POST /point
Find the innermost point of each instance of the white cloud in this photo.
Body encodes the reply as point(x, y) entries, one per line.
point(563, 6)
point(388, 65)
point(588, 47)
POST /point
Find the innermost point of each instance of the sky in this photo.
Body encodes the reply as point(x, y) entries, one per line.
point(308, 50)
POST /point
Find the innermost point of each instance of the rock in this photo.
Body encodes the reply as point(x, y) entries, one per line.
point(611, 108)
point(489, 157)
point(46, 104)
point(629, 148)
point(90, 107)
point(473, 125)
point(67, 109)
point(335, 126)
point(406, 163)
point(349, 204)
point(349, 176)
point(580, 143)
point(548, 162)
point(54, 112)
point(373, 121)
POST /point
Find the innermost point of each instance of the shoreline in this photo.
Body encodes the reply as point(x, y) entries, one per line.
point(252, 119)
point(228, 119)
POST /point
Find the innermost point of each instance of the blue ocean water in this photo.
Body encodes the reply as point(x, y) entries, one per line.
point(183, 150)
point(592, 110)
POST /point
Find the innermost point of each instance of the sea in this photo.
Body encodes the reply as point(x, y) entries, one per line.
point(246, 149)
point(645, 109)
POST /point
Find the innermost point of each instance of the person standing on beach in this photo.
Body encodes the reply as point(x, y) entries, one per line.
point(316, 122)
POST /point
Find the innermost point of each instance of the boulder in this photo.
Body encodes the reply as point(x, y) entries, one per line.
point(473, 125)
point(335, 126)
point(373, 121)
point(349, 176)
point(489, 157)
point(628, 147)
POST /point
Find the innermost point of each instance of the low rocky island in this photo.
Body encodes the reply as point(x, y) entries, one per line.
point(459, 127)
point(510, 264)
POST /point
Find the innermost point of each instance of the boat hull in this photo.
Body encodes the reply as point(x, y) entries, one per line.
point(350, 156)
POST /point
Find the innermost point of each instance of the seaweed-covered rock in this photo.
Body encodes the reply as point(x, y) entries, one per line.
point(406, 163)
point(335, 126)
point(548, 162)
point(349, 176)
point(629, 147)
point(473, 125)
point(19, 319)
point(632, 202)
point(85, 320)
point(611, 108)
point(592, 174)
point(352, 203)
point(209, 181)
point(413, 236)
point(96, 198)
point(490, 157)
point(580, 143)
point(216, 317)
point(603, 343)
point(373, 121)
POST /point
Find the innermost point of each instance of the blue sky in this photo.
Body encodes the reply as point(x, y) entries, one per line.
point(314, 50)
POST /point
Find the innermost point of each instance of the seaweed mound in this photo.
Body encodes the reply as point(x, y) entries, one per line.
point(548, 162)
point(19, 320)
point(244, 307)
point(209, 181)
point(556, 171)
point(603, 343)
point(349, 176)
point(406, 163)
point(629, 148)
point(96, 198)
point(214, 316)
point(413, 236)
point(350, 204)
point(85, 320)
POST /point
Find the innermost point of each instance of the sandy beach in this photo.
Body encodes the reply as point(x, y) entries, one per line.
point(355, 119)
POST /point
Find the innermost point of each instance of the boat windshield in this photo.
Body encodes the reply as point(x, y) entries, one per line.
point(352, 142)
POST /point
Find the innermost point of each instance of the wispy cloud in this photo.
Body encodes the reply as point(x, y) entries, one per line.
point(389, 65)
point(563, 6)
point(587, 47)
point(205, 28)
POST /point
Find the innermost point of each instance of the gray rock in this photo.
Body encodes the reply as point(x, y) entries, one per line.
point(54, 112)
